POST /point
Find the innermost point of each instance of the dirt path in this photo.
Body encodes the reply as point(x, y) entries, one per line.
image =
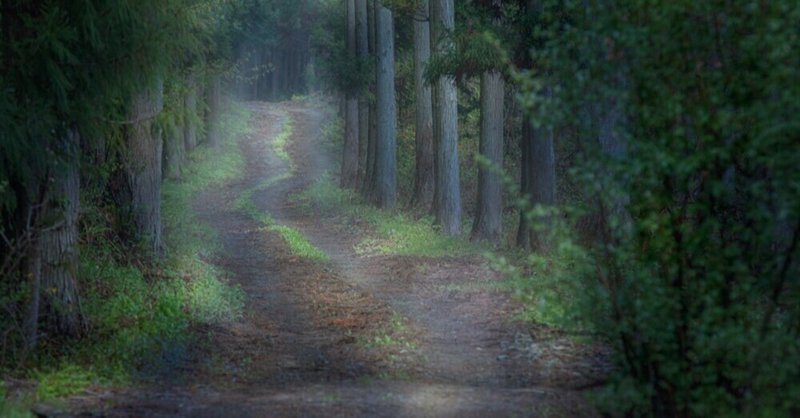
point(358, 335)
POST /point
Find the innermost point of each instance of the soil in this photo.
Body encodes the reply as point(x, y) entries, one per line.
point(359, 335)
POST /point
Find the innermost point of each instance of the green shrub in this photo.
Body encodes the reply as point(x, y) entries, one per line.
point(691, 268)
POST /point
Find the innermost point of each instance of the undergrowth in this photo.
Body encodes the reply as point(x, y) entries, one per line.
point(138, 309)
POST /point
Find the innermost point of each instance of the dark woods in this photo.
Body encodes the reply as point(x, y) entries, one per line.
point(636, 160)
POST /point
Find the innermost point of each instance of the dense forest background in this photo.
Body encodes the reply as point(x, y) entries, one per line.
point(633, 164)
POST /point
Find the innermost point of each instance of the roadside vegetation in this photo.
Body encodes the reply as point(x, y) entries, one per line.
point(140, 310)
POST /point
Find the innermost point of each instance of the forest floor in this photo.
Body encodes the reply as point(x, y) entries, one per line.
point(343, 332)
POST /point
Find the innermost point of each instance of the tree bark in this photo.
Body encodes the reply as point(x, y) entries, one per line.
point(447, 100)
point(386, 149)
point(362, 51)
point(489, 214)
point(423, 136)
point(543, 184)
point(539, 184)
point(370, 180)
point(436, 114)
point(524, 229)
point(349, 175)
point(214, 111)
point(142, 164)
point(174, 152)
point(58, 250)
point(191, 117)
point(33, 273)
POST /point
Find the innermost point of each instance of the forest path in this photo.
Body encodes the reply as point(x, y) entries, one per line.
point(353, 334)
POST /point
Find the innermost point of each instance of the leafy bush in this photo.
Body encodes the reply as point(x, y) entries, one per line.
point(689, 239)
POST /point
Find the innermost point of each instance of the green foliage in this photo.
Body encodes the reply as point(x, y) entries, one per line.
point(691, 270)
point(337, 69)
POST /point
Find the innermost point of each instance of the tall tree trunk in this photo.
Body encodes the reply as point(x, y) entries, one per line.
point(277, 55)
point(524, 228)
point(447, 100)
point(350, 153)
point(362, 51)
point(539, 182)
point(214, 110)
point(174, 151)
point(190, 116)
point(543, 184)
point(423, 136)
point(33, 274)
point(58, 250)
point(386, 150)
point(436, 114)
point(142, 164)
point(370, 180)
point(489, 214)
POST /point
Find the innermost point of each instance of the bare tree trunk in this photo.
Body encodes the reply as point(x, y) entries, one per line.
point(447, 100)
point(424, 175)
point(191, 116)
point(524, 228)
point(386, 150)
point(277, 55)
point(350, 154)
point(58, 250)
point(362, 50)
point(174, 152)
point(543, 184)
point(142, 163)
point(436, 114)
point(33, 272)
point(489, 215)
point(214, 110)
point(370, 180)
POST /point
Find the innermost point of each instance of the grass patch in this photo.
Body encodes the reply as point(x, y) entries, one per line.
point(397, 233)
point(298, 244)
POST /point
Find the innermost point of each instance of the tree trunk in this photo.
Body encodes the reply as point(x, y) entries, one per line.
point(174, 151)
point(543, 184)
point(436, 114)
point(386, 150)
point(142, 164)
point(447, 100)
point(362, 51)
point(58, 251)
point(33, 273)
point(489, 214)
point(214, 111)
point(370, 182)
point(190, 116)
point(524, 228)
point(539, 184)
point(351, 122)
point(423, 136)
point(350, 152)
